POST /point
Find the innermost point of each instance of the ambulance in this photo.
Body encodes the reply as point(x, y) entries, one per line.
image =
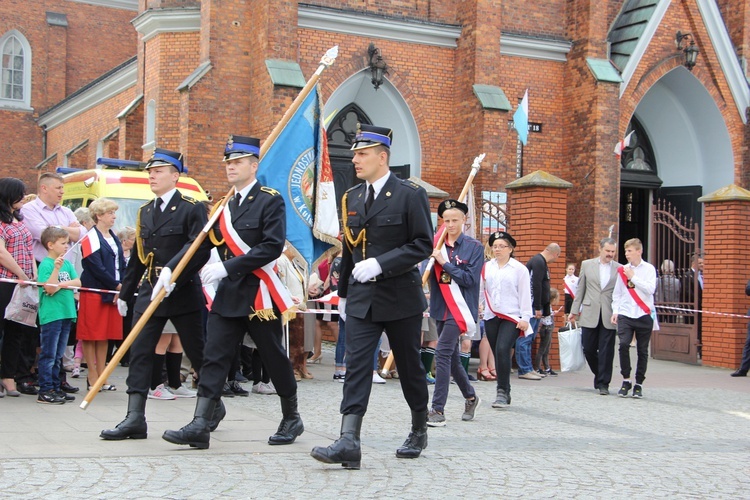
point(124, 181)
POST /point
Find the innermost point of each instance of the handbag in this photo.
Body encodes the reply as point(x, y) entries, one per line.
point(571, 349)
point(23, 305)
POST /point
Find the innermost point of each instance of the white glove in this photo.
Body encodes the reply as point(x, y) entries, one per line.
point(342, 309)
point(366, 270)
point(122, 307)
point(163, 282)
point(212, 273)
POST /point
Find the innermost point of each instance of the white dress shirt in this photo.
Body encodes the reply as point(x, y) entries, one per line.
point(508, 288)
point(644, 280)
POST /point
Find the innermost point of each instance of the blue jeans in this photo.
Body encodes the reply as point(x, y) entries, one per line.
point(341, 344)
point(523, 349)
point(53, 339)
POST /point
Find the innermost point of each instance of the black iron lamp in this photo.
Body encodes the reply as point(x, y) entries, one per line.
point(690, 51)
point(378, 67)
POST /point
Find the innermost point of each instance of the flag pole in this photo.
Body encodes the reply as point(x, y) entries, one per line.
point(327, 60)
point(441, 241)
point(474, 169)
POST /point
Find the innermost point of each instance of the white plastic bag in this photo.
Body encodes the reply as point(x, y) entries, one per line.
point(571, 349)
point(23, 305)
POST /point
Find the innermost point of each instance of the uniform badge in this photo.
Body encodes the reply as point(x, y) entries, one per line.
point(388, 193)
point(631, 284)
point(230, 142)
point(445, 278)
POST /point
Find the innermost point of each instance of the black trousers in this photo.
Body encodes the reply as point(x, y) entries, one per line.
point(502, 335)
point(222, 343)
point(599, 349)
point(362, 337)
point(641, 328)
point(745, 364)
point(19, 341)
point(189, 329)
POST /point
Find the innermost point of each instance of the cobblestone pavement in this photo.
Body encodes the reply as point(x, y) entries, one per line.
point(689, 437)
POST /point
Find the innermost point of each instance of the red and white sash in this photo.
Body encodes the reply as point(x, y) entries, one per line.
point(507, 317)
point(271, 290)
point(453, 297)
point(568, 290)
point(632, 292)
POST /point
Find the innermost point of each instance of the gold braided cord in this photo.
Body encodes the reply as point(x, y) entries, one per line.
point(146, 260)
point(212, 233)
point(351, 241)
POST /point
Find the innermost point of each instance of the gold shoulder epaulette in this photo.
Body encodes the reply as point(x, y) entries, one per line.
point(355, 187)
point(188, 199)
point(269, 190)
point(410, 184)
point(146, 204)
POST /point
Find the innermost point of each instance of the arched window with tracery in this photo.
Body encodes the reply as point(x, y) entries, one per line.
point(15, 70)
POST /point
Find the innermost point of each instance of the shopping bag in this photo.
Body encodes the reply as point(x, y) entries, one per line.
point(571, 349)
point(23, 305)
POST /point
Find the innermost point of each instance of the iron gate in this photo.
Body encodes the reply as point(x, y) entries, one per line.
point(674, 242)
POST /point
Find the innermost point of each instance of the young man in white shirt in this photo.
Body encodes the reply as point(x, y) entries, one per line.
point(633, 313)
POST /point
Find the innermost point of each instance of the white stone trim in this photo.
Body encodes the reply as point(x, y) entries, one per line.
point(726, 54)
point(531, 48)
point(643, 43)
point(377, 27)
point(106, 89)
point(155, 21)
point(115, 4)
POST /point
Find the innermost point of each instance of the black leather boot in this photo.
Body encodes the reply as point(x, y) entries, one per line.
point(220, 411)
point(291, 423)
point(417, 439)
point(134, 426)
point(197, 433)
point(346, 449)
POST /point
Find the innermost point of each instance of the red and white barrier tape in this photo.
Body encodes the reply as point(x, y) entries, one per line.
point(702, 311)
point(75, 288)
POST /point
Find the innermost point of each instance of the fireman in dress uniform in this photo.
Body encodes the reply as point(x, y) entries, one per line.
point(387, 232)
point(165, 227)
point(251, 236)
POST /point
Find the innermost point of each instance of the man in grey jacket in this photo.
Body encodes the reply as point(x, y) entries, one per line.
point(594, 305)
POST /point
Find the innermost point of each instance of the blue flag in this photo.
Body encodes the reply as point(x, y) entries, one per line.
point(294, 165)
point(521, 118)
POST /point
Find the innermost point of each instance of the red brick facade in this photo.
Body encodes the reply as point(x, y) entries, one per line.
point(64, 59)
point(582, 117)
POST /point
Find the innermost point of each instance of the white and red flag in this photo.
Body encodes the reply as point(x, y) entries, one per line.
point(90, 243)
point(620, 146)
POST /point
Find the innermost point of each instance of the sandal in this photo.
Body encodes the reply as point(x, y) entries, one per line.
point(109, 387)
point(493, 373)
point(315, 360)
point(485, 375)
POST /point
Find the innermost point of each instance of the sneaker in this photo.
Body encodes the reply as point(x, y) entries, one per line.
point(50, 398)
point(541, 373)
point(637, 391)
point(551, 373)
point(604, 390)
point(377, 379)
point(470, 408)
point(435, 419)
point(430, 379)
point(530, 376)
point(502, 400)
point(263, 388)
point(239, 377)
point(339, 376)
point(237, 389)
point(66, 387)
point(227, 392)
point(65, 396)
point(182, 392)
point(160, 392)
point(625, 389)
point(76, 372)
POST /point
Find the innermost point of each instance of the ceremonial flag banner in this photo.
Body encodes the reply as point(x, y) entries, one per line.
point(89, 243)
point(297, 165)
point(521, 118)
point(620, 146)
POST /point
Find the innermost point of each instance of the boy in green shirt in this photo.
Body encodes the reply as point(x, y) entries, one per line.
point(57, 310)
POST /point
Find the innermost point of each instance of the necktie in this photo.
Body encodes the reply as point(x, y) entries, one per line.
point(370, 198)
point(157, 209)
point(237, 199)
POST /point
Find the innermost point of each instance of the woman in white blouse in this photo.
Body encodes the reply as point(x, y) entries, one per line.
point(507, 296)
